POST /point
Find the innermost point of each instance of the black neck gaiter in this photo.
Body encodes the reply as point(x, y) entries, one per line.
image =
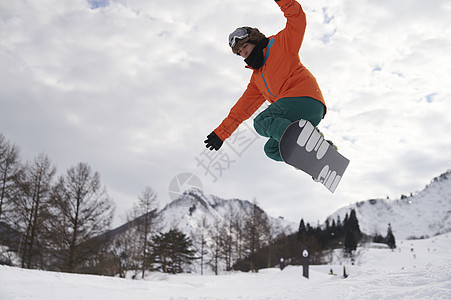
point(255, 59)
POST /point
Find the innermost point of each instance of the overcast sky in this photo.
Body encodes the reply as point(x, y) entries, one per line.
point(132, 87)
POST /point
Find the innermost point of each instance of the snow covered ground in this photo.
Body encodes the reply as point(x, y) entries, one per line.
point(419, 269)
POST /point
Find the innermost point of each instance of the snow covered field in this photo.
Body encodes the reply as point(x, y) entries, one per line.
point(419, 269)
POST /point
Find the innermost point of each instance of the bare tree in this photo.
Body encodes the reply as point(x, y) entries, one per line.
point(215, 246)
point(31, 201)
point(228, 233)
point(238, 228)
point(199, 238)
point(9, 170)
point(131, 247)
point(126, 248)
point(82, 211)
point(146, 211)
point(257, 226)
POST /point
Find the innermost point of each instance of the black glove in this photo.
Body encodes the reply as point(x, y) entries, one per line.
point(213, 141)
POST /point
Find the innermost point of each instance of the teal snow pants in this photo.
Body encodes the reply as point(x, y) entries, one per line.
point(273, 121)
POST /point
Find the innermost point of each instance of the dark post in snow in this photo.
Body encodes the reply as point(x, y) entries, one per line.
point(305, 261)
point(282, 263)
point(345, 275)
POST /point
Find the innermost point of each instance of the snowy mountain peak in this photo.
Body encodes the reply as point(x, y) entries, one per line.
point(194, 210)
point(189, 198)
point(424, 214)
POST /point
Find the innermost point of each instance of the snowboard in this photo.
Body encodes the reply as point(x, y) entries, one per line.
point(304, 147)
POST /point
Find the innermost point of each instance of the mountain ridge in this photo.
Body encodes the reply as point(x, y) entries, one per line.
point(423, 214)
point(193, 207)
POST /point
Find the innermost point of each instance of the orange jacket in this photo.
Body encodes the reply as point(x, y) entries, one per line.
point(282, 75)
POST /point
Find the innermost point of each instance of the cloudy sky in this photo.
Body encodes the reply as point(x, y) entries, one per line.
point(132, 87)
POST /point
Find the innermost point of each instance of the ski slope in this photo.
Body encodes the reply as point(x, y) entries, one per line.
point(417, 269)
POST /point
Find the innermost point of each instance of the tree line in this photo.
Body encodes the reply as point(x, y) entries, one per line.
point(319, 240)
point(241, 235)
point(50, 220)
point(63, 223)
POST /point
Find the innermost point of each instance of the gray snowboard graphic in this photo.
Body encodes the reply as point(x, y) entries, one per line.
point(305, 148)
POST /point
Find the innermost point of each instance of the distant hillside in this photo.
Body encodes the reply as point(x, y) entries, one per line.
point(205, 217)
point(424, 214)
point(194, 213)
point(188, 212)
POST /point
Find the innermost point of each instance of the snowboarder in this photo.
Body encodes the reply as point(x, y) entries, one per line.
point(279, 77)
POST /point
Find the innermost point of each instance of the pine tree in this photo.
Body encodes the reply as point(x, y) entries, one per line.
point(353, 224)
point(345, 222)
point(350, 242)
point(310, 230)
point(339, 230)
point(390, 238)
point(333, 230)
point(302, 230)
point(352, 231)
point(172, 251)
point(327, 225)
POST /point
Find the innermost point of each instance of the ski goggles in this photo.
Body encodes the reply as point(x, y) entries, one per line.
point(238, 34)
